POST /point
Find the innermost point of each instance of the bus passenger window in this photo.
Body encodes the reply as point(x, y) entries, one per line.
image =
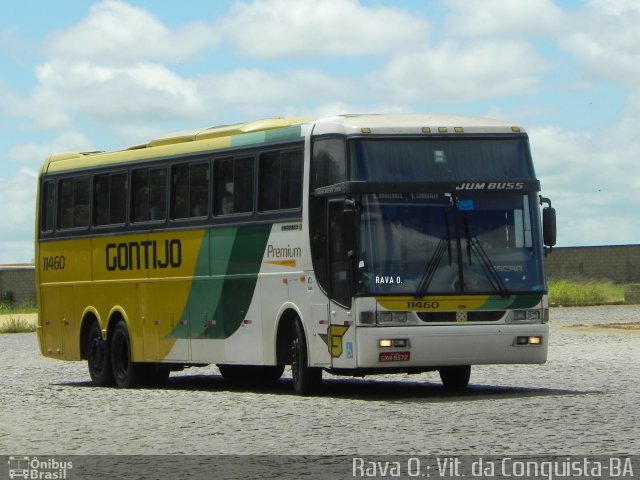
point(190, 191)
point(233, 185)
point(73, 204)
point(110, 199)
point(48, 206)
point(148, 191)
point(280, 185)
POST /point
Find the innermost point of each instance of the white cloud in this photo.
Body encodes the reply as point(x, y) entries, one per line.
point(581, 173)
point(118, 32)
point(17, 196)
point(604, 39)
point(35, 153)
point(141, 91)
point(296, 28)
point(252, 87)
point(500, 18)
point(454, 72)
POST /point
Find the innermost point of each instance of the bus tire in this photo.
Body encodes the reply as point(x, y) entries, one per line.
point(306, 379)
point(98, 356)
point(126, 373)
point(456, 377)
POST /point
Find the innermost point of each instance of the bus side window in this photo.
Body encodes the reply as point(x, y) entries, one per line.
point(234, 185)
point(280, 185)
point(157, 194)
point(190, 190)
point(73, 204)
point(110, 199)
point(223, 174)
point(243, 184)
point(329, 165)
point(148, 194)
point(48, 212)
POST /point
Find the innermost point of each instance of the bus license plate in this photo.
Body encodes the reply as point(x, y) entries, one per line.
point(394, 356)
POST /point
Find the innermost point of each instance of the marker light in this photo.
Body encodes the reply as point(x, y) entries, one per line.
point(394, 343)
point(527, 316)
point(395, 318)
point(530, 340)
point(367, 318)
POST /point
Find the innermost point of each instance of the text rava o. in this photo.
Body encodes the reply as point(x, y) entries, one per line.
point(148, 254)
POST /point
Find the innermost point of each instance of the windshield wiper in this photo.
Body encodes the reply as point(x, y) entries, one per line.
point(474, 245)
point(434, 261)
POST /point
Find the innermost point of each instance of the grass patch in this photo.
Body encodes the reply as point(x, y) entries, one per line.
point(17, 325)
point(580, 293)
point(11, 308)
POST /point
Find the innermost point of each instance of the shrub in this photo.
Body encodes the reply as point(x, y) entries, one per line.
point(17, 325)
point(578, 292)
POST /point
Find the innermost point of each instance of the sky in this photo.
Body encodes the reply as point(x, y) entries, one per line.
point(104, 75)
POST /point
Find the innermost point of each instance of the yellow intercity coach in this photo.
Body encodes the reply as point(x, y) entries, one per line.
point(355, 245)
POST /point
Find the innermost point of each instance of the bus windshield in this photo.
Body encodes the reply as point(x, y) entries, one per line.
point(474, 243)
point(440, 159)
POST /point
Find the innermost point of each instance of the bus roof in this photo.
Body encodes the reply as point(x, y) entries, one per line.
point(412, 124)
point(275, 129)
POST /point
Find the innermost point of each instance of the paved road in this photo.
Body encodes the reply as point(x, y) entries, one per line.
point(583, 401)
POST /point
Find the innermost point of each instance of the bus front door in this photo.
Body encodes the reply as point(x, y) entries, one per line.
point(341, 332)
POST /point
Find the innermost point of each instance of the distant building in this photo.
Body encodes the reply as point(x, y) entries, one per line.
point(17, 283)
point(616, 263)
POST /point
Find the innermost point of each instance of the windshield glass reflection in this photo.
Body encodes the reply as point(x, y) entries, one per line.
point(421, 244)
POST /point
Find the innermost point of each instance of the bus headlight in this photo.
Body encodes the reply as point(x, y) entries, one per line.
point(395, 318)
point(534, 340)
point(394, 343)
point(526, 316)
point(369, 318)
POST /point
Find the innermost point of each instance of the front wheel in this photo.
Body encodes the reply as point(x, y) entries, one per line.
point(98, 357)
point(126, 373)
point(455, 377)
point(306, 379)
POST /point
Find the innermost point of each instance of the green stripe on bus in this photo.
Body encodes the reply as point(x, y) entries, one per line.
point(267, 136)
point(224, 281)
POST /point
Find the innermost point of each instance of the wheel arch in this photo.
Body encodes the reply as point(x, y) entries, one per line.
point(289, 314)
point(89, 316)
point(116, 314)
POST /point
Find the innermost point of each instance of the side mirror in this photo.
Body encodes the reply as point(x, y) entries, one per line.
point(549, 226)
point(548, 223)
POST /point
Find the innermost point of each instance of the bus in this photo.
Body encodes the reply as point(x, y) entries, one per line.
point(352, 245)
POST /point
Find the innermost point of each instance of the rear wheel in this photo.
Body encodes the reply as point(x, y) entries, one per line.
point(126, 373)
point(455, 377)
point(306, 379)
point(98, 356)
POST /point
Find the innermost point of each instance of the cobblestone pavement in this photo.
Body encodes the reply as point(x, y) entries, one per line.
point(583, 401)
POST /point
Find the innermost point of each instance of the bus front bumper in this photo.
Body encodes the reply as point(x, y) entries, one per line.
point(448, 345)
